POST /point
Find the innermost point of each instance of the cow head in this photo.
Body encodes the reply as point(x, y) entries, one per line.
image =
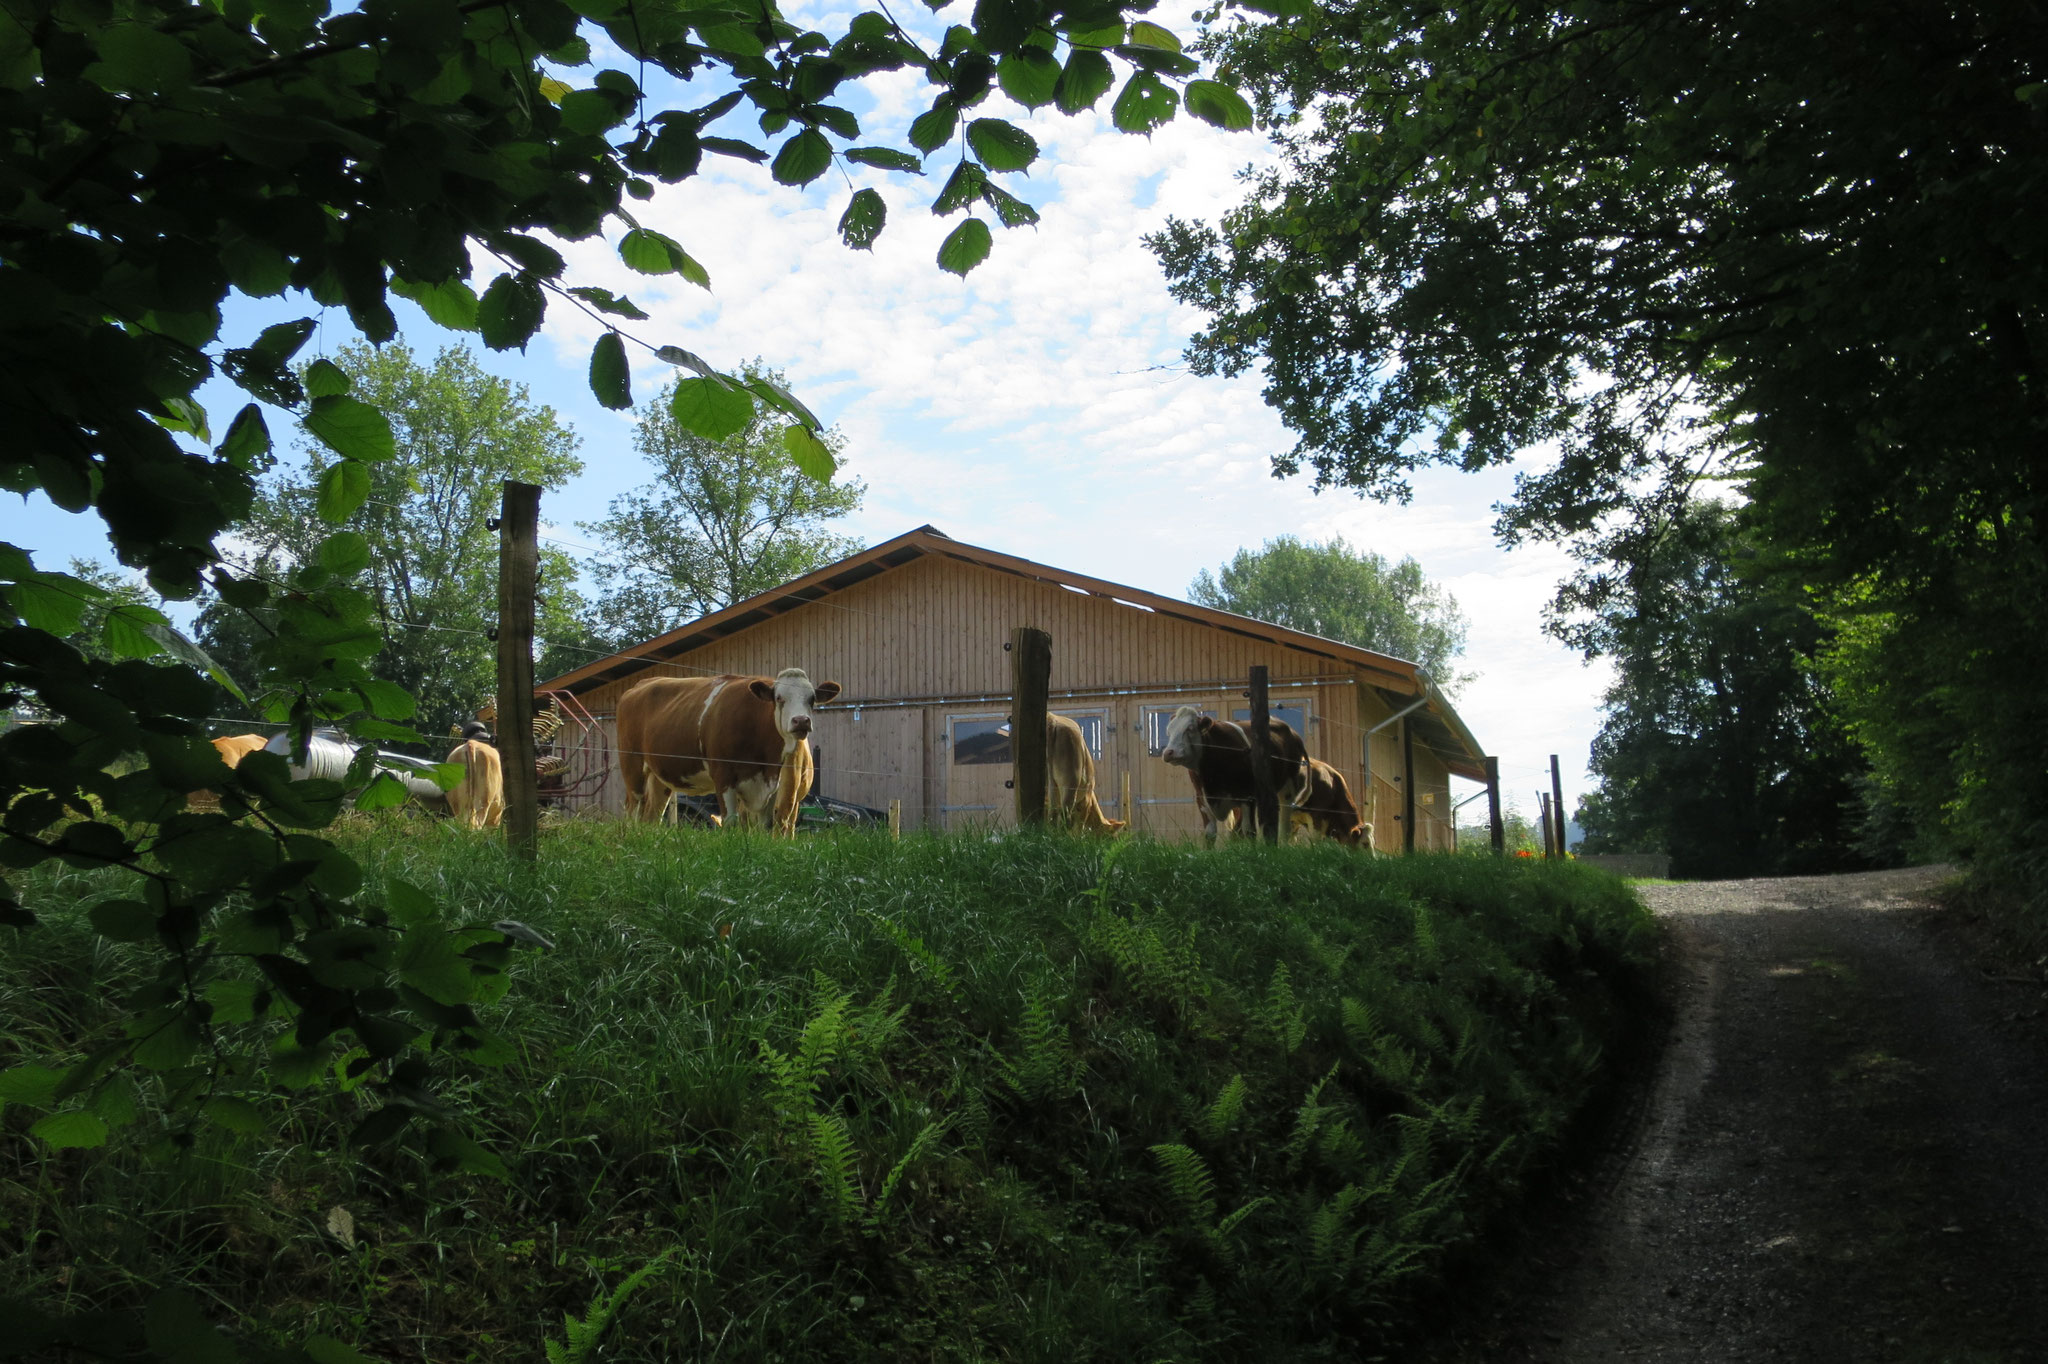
point(1185, 733)
point(793, 695)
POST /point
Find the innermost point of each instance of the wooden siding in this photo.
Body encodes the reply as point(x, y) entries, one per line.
point(921, 646)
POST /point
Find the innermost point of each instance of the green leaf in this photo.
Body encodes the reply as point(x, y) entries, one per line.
point(70, 1129)
point(324, 378)
point(236, 1115)
point(885, 158)
point(810, 455)
point(1012, 211)
point(125, 633)
point(782, 400)
point(35, 1086)
point(863, 220)
point(510, 312)
point(387, 699)
point(281, 341)
point(1145, 103)
point(451, 303)
point(803, 158)
point(1001, 146)
point(711, 407)
point(409, 904)
point(351, 428)
point(190, 654)
point(247, 440)
point(167, 1046)
point(965, 247)
point(123, 920)
point(651, 253)
point(962, 188)
point(326, 1349)
point(1030, 76)
point(179, 1333)
point(344, 554)
point(932, 129)
point(605, 301)
point(53, 602)
point(453, 1148)
point(428, 961)
point(1216, 103)
point(1087, 77)
point(1145, 33)
point(386, 792)
point(611, 378)
point(343, 488)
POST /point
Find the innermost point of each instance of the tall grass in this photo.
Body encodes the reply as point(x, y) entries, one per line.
point(1023, 1097)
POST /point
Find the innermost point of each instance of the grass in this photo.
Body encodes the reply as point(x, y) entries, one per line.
point(1020, 1098)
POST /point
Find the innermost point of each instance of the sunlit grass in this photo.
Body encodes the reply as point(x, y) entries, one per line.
point(994, 1031)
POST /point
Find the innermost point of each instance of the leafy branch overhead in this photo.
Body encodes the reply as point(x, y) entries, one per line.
point(159, 156)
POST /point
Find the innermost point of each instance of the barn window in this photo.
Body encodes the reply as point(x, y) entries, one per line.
point(1157, 718)
point(1294, 713)
point(981, 741)
point(1091, 724)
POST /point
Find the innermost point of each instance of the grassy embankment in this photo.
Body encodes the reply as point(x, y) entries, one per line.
point(1030, 1098)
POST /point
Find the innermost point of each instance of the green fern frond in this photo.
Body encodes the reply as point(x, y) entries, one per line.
point(1361, 1026)
point(1192, 1186)
point(1425, 935)
point(1281, 1016)
point(834, 1163)
point(1308, 1118)
point(582, 1336)
point(1237, 1219)
point(1047, 1069)
point(1221, 1117)
point(918, 1145)
point(922, 959)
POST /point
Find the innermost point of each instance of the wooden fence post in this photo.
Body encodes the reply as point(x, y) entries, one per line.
point(1493, 822)
point(896, 818)
point(518, 573)
point(1124, 811)
point(1031, 684)
point(1265, 800)
point(1543, 809)
point(1557, 804)
point(1407, 787)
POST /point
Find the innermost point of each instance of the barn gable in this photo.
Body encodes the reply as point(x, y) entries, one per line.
point(914, 631)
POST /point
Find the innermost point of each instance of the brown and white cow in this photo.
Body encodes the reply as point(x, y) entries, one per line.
point(1070, 778)
point(478, 800)
point(736, 738)
point(1325, 808)
point(1218, 757)
point(232, 749)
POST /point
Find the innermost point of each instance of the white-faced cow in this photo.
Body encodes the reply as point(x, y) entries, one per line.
point(736, 738)
point(1325, 808)
point(1218, 757)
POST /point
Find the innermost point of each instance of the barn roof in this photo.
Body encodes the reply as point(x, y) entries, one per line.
point(1400, 683)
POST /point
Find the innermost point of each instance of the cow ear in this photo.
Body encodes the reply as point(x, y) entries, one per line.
point(1205, 723)
point(826, 691)
point(764, 690)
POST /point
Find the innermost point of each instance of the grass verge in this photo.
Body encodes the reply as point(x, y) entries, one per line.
point(1029, 1098)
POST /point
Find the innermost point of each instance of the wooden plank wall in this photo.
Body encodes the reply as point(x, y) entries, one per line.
point(932, 633)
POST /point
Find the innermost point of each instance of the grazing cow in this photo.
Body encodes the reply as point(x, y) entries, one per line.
point(733, 737)
point(1218, 757)
point(478, 800)
point(1070, 778)
point(1325, 807)
point(232, 749)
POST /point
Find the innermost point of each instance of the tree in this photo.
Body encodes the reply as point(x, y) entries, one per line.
point(1720, 745)
point(1796, 243)
point(157, 155)
point(1342, 593)
point(722, 520)
point(432, 568)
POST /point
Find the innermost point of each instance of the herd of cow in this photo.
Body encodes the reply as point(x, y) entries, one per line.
point(745, 741)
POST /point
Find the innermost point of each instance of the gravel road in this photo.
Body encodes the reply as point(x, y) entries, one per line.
point(1843, 1155)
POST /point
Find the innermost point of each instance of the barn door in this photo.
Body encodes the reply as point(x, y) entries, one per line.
point(978, 770)
point(871, 757)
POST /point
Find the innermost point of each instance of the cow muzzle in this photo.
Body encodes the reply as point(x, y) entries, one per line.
point(800, 727)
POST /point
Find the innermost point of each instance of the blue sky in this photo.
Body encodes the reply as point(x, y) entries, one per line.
point(1037, 407)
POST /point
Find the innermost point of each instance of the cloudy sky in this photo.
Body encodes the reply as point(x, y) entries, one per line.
point(1039, 406)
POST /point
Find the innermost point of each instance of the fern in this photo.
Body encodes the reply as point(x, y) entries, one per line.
point(929, 1134)
point(1220, 1118)
point(834, 1164)
point(1361, 1027)
point(1047, 1069)
point(922, 959)
point(1192, 1186)
point(1307, 1119)
point(582, 1336)
point(1281, 1016)
point(1154, 955)
point(1425, 935)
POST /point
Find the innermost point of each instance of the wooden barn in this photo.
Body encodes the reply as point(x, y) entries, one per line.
point(914, 630)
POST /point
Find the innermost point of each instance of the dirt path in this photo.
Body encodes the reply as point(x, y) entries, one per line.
point(1843, 1156)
